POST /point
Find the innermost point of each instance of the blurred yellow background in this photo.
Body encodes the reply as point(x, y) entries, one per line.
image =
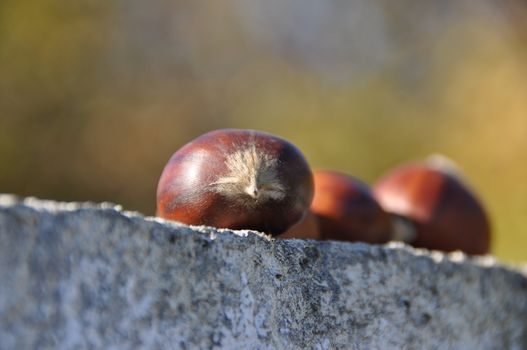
point(96, 95)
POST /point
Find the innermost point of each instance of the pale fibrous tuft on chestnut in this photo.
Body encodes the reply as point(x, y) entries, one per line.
point(430, 201)
point(347, 210)
point(237, 179)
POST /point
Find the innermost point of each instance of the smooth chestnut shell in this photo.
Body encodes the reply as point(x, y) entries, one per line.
point(307, 228)
point(445, 213)
point(237, 179)
point(347, 210)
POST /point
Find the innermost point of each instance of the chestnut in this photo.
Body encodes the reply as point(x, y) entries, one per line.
point(237, 179)
point(347, 210)
point(437, 206)
point(307, 228)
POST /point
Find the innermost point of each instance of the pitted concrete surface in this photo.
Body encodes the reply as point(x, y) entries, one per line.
point(77, 276)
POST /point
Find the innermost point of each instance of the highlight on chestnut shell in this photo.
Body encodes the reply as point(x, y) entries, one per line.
point(237, 179)
point(443, 211)
point(347, 210)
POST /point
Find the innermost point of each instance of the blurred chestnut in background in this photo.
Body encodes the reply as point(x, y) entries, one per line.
point(237, 179)
point(347, 210)
point(307, 228)
point(444, 212)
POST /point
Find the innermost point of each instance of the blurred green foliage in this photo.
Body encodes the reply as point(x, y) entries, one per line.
point(96, 95)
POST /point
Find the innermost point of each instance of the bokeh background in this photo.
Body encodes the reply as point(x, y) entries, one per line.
point(95, 95)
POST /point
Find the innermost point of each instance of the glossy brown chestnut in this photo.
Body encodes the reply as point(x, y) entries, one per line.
point(238, 179)
point(444, 212)
point(307, 228)
point(347, 211)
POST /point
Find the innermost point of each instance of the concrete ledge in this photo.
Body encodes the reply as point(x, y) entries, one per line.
point(93, 276)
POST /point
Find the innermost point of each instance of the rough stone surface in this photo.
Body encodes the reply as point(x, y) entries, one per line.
point(77, 276)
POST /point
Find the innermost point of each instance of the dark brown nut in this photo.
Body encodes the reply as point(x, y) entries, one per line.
point(237, 179)
point(444, 212)
point(347, 211)
point(307, 228)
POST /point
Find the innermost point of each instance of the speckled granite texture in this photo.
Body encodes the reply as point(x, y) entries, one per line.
point(78, 276)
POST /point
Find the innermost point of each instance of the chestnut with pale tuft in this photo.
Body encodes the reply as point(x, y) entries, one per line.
point(237, 179)
point(432, 203)
point(347, 211)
